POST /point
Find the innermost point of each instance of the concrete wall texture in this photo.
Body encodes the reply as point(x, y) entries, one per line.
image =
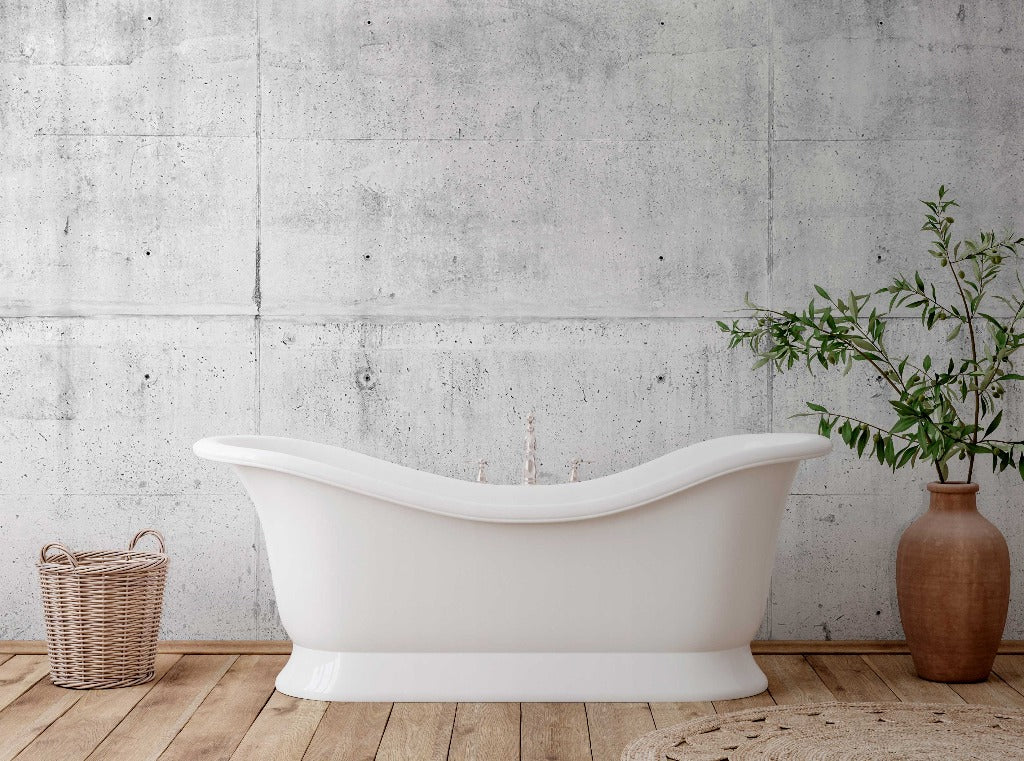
point(400, 226)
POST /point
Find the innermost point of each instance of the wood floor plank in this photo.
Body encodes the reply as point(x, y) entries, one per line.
point(761, 700)
point(555, 732)
point(1011, 669)
point(349, 732)
point(4, 657)
point(850, 678)
point(77, 733)
point(225, 646)
point(791, 680)
point(218, 725)
point(18, 674)
point(282, 731)
point(897, 671)
point(154, 721)
point(993, 691)
point(418, 730)
point(613, 726)
point(668, 714)
point(486, 732)
point(33, 711)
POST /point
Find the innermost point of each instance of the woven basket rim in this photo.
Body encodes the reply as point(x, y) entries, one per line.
point(105, 561)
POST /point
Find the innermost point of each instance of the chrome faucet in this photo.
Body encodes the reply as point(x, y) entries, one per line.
point(481, 477)
point(574, 469)
point(530, 466)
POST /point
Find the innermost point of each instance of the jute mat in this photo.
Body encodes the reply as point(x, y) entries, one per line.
point(846, 731)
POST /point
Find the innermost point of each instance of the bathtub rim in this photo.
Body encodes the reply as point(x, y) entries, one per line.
point(634, 487)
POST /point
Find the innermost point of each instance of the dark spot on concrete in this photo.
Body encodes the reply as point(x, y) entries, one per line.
point(881, 23)
point(67, 225)
point(146, 376)
point(148, 253)
point(366, 379)
point(65, 406)
point(149, 18)
point(961, 14)
point(366, 257)
point(878, 258)
point(368, 23)
point(878, 612)
point(661, 379)
point(662, 23)
point(661, 258)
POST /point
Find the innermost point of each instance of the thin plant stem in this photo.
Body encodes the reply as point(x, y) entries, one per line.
point(969, 319)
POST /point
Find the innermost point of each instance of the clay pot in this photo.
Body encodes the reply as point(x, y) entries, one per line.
point(953, 584)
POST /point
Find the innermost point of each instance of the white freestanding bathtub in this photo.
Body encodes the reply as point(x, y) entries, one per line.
point(396, 584)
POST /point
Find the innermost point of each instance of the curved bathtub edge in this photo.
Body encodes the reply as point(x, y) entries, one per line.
point(484, 677)
point(500, 503)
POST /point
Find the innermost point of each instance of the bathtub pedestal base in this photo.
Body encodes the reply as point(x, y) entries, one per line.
point(327, 675)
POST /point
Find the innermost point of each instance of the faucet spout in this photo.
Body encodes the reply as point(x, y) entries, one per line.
point(530, 466)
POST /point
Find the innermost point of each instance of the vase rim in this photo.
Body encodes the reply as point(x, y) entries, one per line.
point(953, 487)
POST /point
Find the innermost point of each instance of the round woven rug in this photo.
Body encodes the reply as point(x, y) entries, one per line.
point(847, 731)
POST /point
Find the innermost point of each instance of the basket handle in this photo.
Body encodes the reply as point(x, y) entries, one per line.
point(152, 532)
point(60, 549)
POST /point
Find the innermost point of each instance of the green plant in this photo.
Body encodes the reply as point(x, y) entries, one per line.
point(941, 410)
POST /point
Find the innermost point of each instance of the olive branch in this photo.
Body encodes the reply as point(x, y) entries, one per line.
point(940, 412)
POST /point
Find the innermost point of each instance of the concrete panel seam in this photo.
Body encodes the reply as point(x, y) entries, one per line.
point(769, 254)
point(257, 300)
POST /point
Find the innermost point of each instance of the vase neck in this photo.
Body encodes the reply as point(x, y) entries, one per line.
point(953, 497)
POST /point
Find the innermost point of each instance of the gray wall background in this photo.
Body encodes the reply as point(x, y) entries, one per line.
point(401, 226)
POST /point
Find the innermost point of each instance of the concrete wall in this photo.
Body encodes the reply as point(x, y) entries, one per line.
point(401, 226)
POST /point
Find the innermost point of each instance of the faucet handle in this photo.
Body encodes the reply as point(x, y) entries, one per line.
point(481, 465)
point(574, 469)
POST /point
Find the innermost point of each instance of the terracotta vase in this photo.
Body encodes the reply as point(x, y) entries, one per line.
point(953, 585)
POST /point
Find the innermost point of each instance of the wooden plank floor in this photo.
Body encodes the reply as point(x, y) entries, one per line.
point(224, 706)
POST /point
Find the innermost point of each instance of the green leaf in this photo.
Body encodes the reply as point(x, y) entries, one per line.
point(905, 455)
point(863, 441)
point(816, 407)
point(902, 425)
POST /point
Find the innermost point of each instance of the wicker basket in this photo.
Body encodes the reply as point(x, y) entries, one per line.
point(102, 613)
